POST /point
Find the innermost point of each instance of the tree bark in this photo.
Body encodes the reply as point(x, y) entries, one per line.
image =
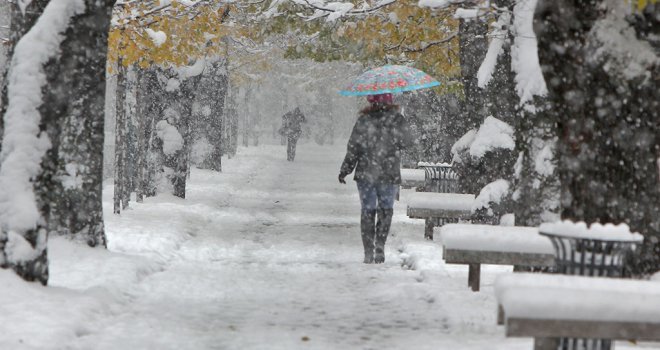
point(150, 110)
point(120, 145)
point(208, 124)
point(68, 186)
point(79, 122)
point(473, 46)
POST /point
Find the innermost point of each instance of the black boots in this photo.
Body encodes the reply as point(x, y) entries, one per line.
point(382, 230)
point(374, 234)
point(368, 229)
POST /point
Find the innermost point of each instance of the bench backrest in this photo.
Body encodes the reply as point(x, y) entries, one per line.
point(440, 178)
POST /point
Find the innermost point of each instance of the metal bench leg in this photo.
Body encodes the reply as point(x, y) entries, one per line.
point(428, 229)
point(474, 276)
point(500, 315)
point(546, 343)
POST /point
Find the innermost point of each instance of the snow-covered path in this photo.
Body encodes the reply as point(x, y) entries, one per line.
point(265, 255)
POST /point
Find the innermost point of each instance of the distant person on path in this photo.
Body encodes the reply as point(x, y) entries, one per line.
point(292, 129)
point(373, 151)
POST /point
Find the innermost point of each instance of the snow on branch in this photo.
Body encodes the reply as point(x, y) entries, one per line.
point(492, 134)
point(425, 46)
point(23, 144)
point(332, 10)
point(462, 13)
point(158, 37)
point(498, 36)
point(524, 53)
point(544, 162)
point(172, 139)
point(462, 144)
point(438, 4)
point(616, 43)
point(491, 193)
point(194, 70)
point(163, 8)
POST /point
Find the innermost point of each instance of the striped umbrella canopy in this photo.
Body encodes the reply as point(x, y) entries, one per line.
point(389, 79)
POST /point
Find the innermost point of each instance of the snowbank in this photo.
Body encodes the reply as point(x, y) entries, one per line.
point(37, 317)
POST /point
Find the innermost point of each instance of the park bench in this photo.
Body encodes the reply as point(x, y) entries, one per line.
point(548, 307)
point(438, 209)
point(474, 245)
point(440, 203)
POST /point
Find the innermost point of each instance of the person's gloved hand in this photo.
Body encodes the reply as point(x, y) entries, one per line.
point(341, 179)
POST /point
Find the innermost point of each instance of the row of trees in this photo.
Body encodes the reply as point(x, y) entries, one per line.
point(176, 65)
point(170, 60)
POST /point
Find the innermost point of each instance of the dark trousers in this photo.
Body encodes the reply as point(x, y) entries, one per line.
point(291, 148)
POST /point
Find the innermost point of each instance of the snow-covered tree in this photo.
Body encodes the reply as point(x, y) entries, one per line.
point(51, 160)
point(607, 103)
point(172, 43)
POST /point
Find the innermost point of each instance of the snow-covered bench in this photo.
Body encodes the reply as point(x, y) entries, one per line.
point(413, 178)
point(474, 245)
point(548, 306)
point(439, 208)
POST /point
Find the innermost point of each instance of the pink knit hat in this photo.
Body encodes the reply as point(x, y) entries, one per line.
point(381, 99)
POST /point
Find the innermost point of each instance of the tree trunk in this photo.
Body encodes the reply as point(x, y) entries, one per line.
point(120, 145)
point(150, 109)
point(208, 124)
point(608, 114)
point(141, 116)
point(131, 136)
point(473, 46)
point(67, 187)
point(179, 117)
point(80, 71)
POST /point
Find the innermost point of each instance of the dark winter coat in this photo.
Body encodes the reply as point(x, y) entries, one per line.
point(292, 124)
point(374, 149)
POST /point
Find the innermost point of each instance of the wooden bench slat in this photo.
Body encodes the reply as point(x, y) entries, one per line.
point(460, 256)
point(525, 327)
point(424, 213)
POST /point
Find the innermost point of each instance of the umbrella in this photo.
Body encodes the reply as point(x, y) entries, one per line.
point(389, 79)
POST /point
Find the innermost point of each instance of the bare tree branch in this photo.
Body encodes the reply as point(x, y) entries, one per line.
point(352, 12)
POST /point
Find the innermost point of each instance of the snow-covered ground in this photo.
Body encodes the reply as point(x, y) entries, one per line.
point(266, 255)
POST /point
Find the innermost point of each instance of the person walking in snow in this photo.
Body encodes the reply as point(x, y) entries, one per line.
point(373, 151)
point(292, 129)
